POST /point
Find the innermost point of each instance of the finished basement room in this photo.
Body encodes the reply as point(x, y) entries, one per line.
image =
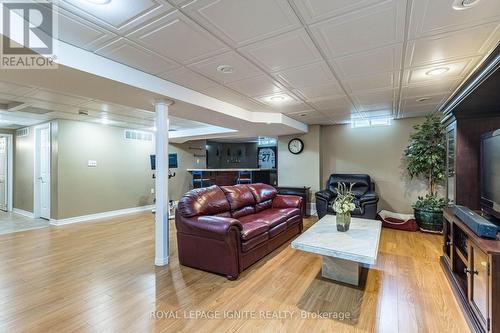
point(250, 166)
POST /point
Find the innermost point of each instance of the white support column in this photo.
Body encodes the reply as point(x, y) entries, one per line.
point(161, 185)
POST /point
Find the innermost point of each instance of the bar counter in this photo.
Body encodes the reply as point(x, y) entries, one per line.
point(232, 176)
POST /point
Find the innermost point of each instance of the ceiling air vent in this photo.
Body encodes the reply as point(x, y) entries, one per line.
point(138, 135)
point(23, 132)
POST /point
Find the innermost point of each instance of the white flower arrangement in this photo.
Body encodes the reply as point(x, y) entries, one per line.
point(344, 201)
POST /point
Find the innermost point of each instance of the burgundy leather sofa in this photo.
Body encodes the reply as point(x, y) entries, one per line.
point(225, 229)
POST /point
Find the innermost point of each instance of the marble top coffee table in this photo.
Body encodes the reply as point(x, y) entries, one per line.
point(344, 253)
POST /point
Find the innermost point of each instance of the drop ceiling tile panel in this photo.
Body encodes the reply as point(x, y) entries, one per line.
point(362, 30)
point(311, 117)
point(229, 96)
point(316, 10)
point(256, 86)
point(282, 52)
point(455, 69)
point(430, 17)
point(436, 99)
point(383, 99)
point(459, 44)
point(388, 80)
point(81, 33)
point(381, 60)
point(118, 15)
point(320, 91)
point(188, 79)
point(431, 88)
point(308, 75)
point(133, 55)
point(240, 22)
point(56, 97)
point(14, 89)
point(176, 37)
point(332, 104)
point(242, 68)
point(419, 110)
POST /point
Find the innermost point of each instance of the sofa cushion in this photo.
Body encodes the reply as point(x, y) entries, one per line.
point(288, 212)
point(262, 192)
point(243, 212)
point(263, 205)
point(293, 220)
point(277, 229)
point(203, 201)
point(252, 228)
point(271, 217)
point(253, 242)
point(239, 196)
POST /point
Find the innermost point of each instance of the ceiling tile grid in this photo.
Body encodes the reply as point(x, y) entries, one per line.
point(240, 22)
point(335, 57)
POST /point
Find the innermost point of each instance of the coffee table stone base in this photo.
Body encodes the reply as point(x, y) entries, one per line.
point(341, 270)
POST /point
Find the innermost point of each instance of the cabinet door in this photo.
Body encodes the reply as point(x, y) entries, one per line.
point(478, 274)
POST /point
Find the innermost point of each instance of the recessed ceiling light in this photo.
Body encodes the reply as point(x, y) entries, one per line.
point(226, 69)
point(277, 98)
point(437, 71)
point(99, 2)
point(423, 99)
point(464, 4)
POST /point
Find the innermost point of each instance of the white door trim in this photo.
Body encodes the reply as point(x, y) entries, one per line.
point(36, 169)
point(10, 169)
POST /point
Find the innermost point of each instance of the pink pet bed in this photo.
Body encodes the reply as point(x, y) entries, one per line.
point(397, 221)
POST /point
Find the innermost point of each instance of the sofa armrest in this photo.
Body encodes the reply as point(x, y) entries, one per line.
point(287, 201)
point(325, 195)
point(214, 227)
point(368, 198)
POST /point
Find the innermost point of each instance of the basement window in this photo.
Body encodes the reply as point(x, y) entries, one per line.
point(371, 122)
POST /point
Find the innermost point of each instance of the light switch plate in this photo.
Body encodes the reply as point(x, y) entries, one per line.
point(92, 164)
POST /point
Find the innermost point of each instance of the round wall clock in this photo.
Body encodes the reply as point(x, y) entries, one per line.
point(295, 146)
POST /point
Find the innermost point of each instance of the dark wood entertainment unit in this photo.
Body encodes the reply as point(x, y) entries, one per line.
point(471, 263)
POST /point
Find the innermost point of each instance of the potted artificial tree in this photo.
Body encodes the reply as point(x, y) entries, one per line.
point(425, 158)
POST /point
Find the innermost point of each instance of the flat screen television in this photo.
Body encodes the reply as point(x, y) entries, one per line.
point(172, 161)
point(490, 173)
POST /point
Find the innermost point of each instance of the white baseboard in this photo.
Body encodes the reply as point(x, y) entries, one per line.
point(98, 216)
point(23, 213)
point(312, 208)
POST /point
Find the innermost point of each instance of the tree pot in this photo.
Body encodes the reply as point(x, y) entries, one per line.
point(429, 220)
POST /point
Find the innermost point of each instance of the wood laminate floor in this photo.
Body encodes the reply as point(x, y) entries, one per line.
point(99, 277)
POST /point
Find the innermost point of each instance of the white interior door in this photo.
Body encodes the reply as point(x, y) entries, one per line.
point(3, 173)
point(44, 172)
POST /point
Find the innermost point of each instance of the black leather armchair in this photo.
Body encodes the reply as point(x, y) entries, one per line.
point(364, 191)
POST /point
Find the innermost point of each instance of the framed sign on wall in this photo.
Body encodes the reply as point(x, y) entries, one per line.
point(267, 157)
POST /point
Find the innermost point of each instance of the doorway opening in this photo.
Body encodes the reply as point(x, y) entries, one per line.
point(41, 204)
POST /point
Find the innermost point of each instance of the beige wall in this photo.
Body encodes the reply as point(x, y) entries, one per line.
point(182, 181)
point(303, 169)
point(122, 178)
point(376, 151)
